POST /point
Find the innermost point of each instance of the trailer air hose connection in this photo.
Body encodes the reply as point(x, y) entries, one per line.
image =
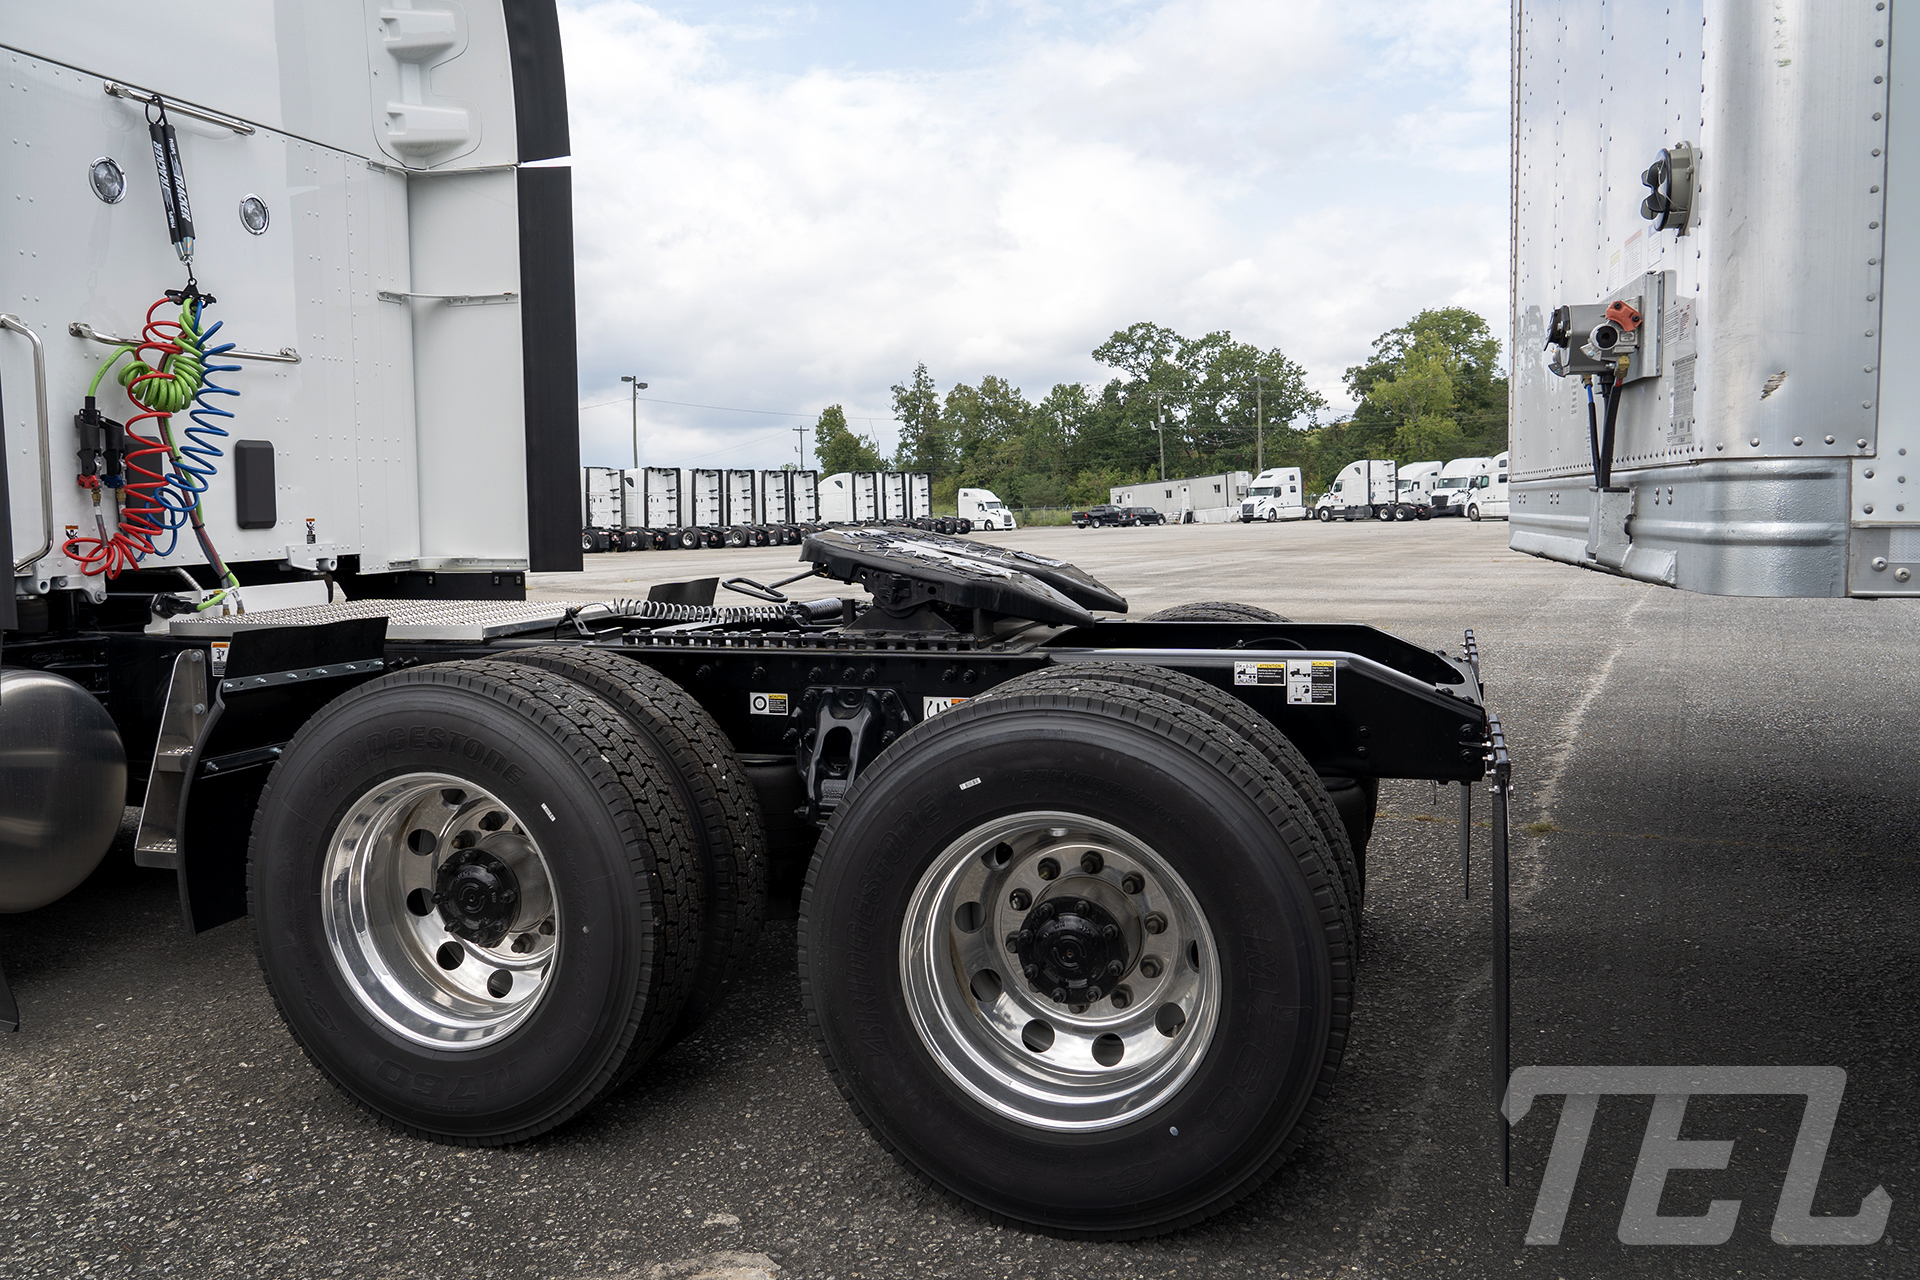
point(164, 479)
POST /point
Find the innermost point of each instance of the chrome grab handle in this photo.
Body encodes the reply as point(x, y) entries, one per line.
point(178, 108)
point(46, 450)
point(81, 329)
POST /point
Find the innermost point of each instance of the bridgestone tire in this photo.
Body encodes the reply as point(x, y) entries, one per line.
point(1214, 611)
point(1246, 850)
point(602, 811)
point(713, 787)
point(1249, 724)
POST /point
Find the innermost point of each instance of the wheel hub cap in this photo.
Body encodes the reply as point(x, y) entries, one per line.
point(478, 896)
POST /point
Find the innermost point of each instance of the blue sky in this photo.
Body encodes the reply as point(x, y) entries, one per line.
point(780, 207)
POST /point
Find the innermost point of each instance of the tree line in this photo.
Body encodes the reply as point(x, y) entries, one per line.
point(1432, 389)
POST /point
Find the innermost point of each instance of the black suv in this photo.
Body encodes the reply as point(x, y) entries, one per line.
point(1102, 515)
point(1145, 515)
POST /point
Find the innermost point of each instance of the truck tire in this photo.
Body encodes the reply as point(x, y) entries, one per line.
point(1383, 514)
point(1473, 512)
point(1324, 514)
point(690, 539)
point(713, 788)
point(1422, 513)
point(1249, 724)
point(485, 788)
point(1214, 611)
point(1102, 1119)
point(586, 541)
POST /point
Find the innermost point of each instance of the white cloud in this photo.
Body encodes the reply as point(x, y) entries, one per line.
point(1305, 175)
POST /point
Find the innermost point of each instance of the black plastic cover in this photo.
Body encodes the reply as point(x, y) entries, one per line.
point(1071, 581)
point(958, 581)
point(254, 503)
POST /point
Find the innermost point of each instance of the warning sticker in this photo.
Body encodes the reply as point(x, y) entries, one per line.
point(767, 704)
point(1259, 673)
point(931, 707)
point(219, 655)
point(1310, 680)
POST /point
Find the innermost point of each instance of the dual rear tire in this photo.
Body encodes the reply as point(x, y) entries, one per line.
point(484, 894)
point(1079, 953)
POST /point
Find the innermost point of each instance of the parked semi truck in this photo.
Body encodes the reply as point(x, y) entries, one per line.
point(984, 508)
point(1275, 494)
point(1364, 490)
point(1487, 495)
point(1084, 892)
point(1456, 483)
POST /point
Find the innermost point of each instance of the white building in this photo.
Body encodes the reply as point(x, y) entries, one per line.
point(1210, 498)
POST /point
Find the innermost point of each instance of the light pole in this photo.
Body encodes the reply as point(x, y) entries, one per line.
point(638, 387)
point(1160, 425)
point(803, 445)
point(1259, 425)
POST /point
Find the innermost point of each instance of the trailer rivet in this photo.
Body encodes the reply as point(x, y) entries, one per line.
point(1798, 441)
point(1868, 508)
point(1901, 575)
point(1861, 444)
point(1879, 563)
point(1829, 439)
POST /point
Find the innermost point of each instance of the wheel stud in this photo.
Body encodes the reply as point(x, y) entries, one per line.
point(1121, 997)
point(1132, 883)
point(1020, 899)
point(1082, 907)
point(1094, 993)
point(1115, 969)
point(1043, 913)
point(1110, 932)
point(1032, 972)
point(1013, 942)
point(1047, 869)
point(1156, 923)
point(1091, 862)
point(1059, 994)
point(1150, 967)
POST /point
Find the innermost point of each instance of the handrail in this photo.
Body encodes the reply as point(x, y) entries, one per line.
point(81, 329)
point(178, 108)
point(14, 323)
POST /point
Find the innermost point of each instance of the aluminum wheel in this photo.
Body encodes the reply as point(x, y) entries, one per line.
point(1060, 971)
point(440, 911)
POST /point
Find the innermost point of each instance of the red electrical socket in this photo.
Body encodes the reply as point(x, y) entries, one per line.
point(1623, 315)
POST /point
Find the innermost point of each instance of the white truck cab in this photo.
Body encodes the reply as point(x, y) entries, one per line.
point(985, 510)
point(1416, 482)
point(1456, 482)
point(1274, 495)
point(1364, 490)
point(1487, 495)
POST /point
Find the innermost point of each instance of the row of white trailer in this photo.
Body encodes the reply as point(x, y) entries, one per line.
point(658, 507)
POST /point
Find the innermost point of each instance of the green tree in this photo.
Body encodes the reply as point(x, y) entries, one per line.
point(1457, 338)
point(839, 449)
point(926, 443)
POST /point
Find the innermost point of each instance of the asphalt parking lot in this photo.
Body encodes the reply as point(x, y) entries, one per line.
point(1714, 864)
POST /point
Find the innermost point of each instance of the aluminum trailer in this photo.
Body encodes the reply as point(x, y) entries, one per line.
point(1725, 262)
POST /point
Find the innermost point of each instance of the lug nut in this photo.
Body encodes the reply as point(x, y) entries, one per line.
point(1150, 967)
point(1156, 923)
point(1094, 993)
point(1025, 936)
point(1091, 862)
point(1043, 912)
point(1047, 869)
point(1032, 972)
point(1081, 907)
point(1110, 931)
point(1059, 995)
point(1115, 969)
point(1020, 899)
point(1013, 942)
point(1121, 997)
point(1132, 883)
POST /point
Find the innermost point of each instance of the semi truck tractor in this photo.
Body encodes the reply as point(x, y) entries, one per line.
point(1274, 495)
point(984, 508)
point(1083, 891)
point(1456, 482)
point(1364, 490)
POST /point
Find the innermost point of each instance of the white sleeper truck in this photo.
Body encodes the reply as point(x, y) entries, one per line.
point(1274, 495)
point(1364, 490)
point(1487, 495)
point(1456, 483)
point(985, 509)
